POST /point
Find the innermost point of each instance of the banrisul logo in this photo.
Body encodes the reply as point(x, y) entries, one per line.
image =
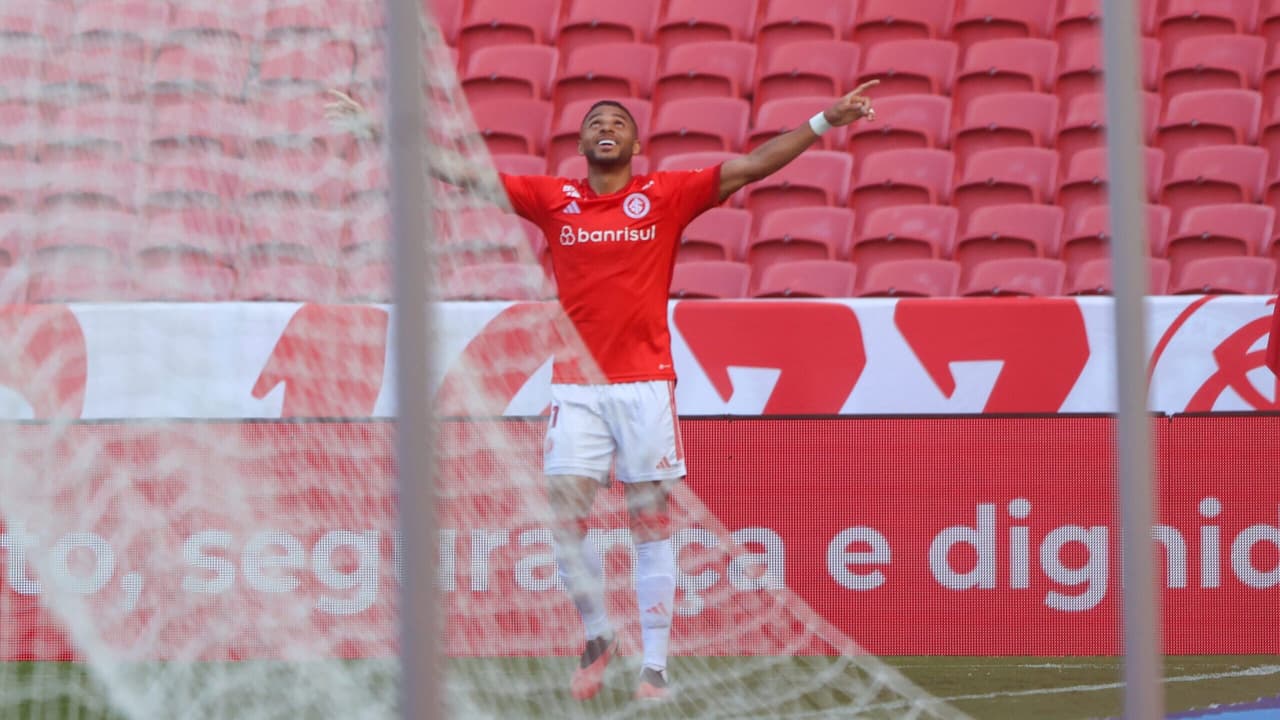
point(576, 236)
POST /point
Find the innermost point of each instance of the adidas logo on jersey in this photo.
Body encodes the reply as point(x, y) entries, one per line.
point(572, 208)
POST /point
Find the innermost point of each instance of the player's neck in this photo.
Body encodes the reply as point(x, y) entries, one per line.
point(606, 180)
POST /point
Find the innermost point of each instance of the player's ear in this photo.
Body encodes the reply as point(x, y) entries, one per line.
point(635, 148)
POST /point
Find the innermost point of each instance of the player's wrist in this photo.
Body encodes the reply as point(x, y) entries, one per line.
point(819, 124)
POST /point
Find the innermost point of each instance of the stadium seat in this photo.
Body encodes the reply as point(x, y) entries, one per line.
point(919, 277)
point(1085, 183)
point(1182, 19)
point(720, 233)
point(288, 253)
point(698, 21)
point(292, 126)
point(498, 281)
point(1000, 231)
point(779, 116)
point(447, 16)
point(905, 232)
point(478, 236)
point(803, 233)
point(592, 22)
point(1005, 176)
point(510, 71)
point(1217, 230)
point(817, 177)
point(1080, 70)
point(513, 126)
point(910, 67)
point(1226, 275)
point(1089, 237)
point(1031, 277)
point(366, 283)
point(20, 21)
point(520, 164)
point(78, 254)
point(191, 19)
point(14, 264)
point(300, 62)
point(1209, 117)
point(983, 20)
point(1016, 119)
point(902, 177)
point(807, 279)
point(216, 66)
point(506, 22)
point(711, 279)
point(801, 21)
point(88, 183)
point(20, 68)
point(20, 179)
point(1094, 277)
point(698, 125)
point(810, 69)
point(177, 183)
point(366, 236)
point(575, 166)
point(1083, 125)
point(120, 18)
point(95, 67)
point(1215, 175)
point(882, 21)
point(186, 256)
point(1002, 66)
point(903, 121)
point(606, 70)
point(201, 128)
point(1268, 26)
point(1213, 62)
point(567, 128)
point(21, 124)
point(721, 68)
point(1081, 20)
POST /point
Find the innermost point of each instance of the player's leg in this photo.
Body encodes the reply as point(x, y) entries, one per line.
point(577, 455)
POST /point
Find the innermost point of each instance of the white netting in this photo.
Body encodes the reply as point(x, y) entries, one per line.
point(179, 151)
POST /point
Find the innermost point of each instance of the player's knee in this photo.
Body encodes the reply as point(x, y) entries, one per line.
point(650, 523)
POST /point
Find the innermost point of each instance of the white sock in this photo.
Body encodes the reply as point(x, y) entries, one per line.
point(655, 596)
point(583, 577)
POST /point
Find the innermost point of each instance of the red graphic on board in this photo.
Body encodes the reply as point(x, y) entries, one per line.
point(1235, 360)
point(43, 358)
point(1042, 344)
point(330, 359)
point(816, 346)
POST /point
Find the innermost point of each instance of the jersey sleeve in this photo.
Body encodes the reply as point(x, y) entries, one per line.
point(522, 191)
point(694, 191)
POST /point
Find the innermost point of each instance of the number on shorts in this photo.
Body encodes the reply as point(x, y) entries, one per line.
point(555, 413)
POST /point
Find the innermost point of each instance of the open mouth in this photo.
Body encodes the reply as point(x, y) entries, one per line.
point(606, 143)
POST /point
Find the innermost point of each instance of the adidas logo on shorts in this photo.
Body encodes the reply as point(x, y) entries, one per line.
point(665, 464)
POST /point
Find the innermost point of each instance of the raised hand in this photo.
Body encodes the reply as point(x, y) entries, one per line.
point(347, 114)
point(852, 107)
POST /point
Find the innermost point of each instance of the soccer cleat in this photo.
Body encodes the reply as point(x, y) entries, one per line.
point(588, 677)
point(652, 685)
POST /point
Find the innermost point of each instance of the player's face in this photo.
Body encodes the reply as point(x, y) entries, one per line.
point(608, 137)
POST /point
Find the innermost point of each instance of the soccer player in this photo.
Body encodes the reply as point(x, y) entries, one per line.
point(612, 237)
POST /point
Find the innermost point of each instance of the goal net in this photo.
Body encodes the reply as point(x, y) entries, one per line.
point(199, 507)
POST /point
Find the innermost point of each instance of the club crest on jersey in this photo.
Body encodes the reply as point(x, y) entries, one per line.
point(636, 206)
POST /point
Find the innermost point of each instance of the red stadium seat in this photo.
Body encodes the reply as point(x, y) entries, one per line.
point(366, 283)
point(79, 277)
point(201, 128)
point(1005, 176)
point(711, 279)
point(20, 179)
point(1089, 238)
point(1002, 66)
point(294, 63)
point(46, 22)
point(801, 21)
point(807, 279)
point(366, 237)
point(607, 70)
point(810, 69)
point(779, 116)
point(698, 21)
point(1215, 175)
point(1181, 19)
point(1080, 70)
point(1217, 230)
point(575, 166)
point(1213, 62)
point(135, 18)
point(282, 128)
point(1017, 119)
point(181, 183)
point(216, 66)
point(698, 125)
point(513, 126)
point(592, 22)
point(506, 22)
point(498, 281)
point(1226, 275)
point(519, 164)
point(1209, 117)
point(925, 277)
point(510, 71)
point(89, 183)
point(288, 253)
point(905, 232)
point(20, 67)
point(720, 68)
point(1083, 126)
point(1085, 183)
point(21, 125)
point(983, 20)
point(881, 21)
point(817, 177)
point(720, 233)
point(1081, 20)
point(903, 121)
point(903, 177)
point(1269, 23)
point(191, 19)
point(806, 233)
point(1000, 231)
point(447, 16)
point(695, 160)
point(96, 67)
point(79, 254)
point(910, 67)
point(1032, 277)
point(186, 256)
point(567, 129)
point(1094, 277)
point(478, 236)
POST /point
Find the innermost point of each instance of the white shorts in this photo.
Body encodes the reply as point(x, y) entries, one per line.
point(632, 426)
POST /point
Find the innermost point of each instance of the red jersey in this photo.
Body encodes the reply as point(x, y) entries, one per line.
point(612, 256)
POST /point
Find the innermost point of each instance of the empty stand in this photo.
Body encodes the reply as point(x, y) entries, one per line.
point(1213, 62)
point(905, 232)
point(903, 121)
point(723, 68)
point(1209, 117)
point(720, 233)
point(1085, 183)
point(696, 21)
point(817, 177)
point(1181, 19)
point(592, 22)
point(810, 233)
point(507, 22)
point(1017, 119)
point(982, 20)
point(1006, 176)
point(1079, 71)
point(809, 69)
point(902, 177)
point(1000, 66)
point(498, 281)
point(1219, 230)
point(910, 278)
point(1033, 277)
point(1226, 275)
point(697, 125)
point(1089, 237)
point(513, 125)
point(882, 21)
point(1002, 231)
point(710, 279)
point(807, 279)
point(1215, 175)
point(801, 21)
point(779, 116)
point(510, 71)
point(1094, 277)
point(910, 67)
point(607, 70)
point(1083, 124)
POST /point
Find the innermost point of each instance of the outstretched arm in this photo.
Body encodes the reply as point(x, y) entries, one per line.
point(777, 152)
